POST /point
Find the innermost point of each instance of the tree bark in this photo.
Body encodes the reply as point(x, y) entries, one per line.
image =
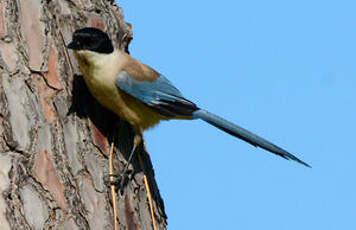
point(54, 137)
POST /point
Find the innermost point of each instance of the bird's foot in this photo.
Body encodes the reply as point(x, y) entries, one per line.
point(119, 181)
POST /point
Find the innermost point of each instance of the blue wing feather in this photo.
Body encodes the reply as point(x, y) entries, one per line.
point(159, 94)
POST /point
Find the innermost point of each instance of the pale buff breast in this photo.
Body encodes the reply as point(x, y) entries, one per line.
point(99, 73)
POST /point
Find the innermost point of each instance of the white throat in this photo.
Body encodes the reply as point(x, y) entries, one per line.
point(91, 63)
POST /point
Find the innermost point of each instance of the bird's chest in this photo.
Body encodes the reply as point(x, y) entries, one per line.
point(102, 86)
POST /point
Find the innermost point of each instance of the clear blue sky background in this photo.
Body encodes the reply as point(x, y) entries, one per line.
point(283, 70)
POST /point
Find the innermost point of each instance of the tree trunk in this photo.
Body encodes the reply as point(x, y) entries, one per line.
point(54, 137)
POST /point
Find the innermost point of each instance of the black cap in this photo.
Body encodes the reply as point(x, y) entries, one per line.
point(93, 39)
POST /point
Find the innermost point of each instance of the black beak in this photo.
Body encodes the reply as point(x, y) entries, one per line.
point(73, 45)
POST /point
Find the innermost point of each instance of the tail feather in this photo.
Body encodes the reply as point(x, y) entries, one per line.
point(244, 134)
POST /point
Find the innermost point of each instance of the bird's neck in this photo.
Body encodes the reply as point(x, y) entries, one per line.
point(92, 62)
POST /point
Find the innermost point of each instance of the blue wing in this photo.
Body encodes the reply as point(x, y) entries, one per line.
point(159, 94)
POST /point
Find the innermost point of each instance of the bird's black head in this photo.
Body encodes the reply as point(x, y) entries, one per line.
point(93, 39)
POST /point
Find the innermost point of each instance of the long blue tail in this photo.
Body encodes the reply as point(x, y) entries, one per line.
point(244, 134)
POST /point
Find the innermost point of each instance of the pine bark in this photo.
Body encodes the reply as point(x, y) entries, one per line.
point(54, 137)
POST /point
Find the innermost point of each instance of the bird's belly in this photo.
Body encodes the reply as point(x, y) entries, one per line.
point(139, 115)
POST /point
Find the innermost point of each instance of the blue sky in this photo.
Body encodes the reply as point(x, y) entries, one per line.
point(284, 70)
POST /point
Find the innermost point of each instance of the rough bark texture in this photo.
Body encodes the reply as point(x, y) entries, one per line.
point(54, 137)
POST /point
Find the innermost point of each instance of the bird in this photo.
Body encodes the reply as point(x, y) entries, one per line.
point(142, 96)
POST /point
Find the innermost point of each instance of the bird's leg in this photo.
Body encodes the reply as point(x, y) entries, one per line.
point(136, 143)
